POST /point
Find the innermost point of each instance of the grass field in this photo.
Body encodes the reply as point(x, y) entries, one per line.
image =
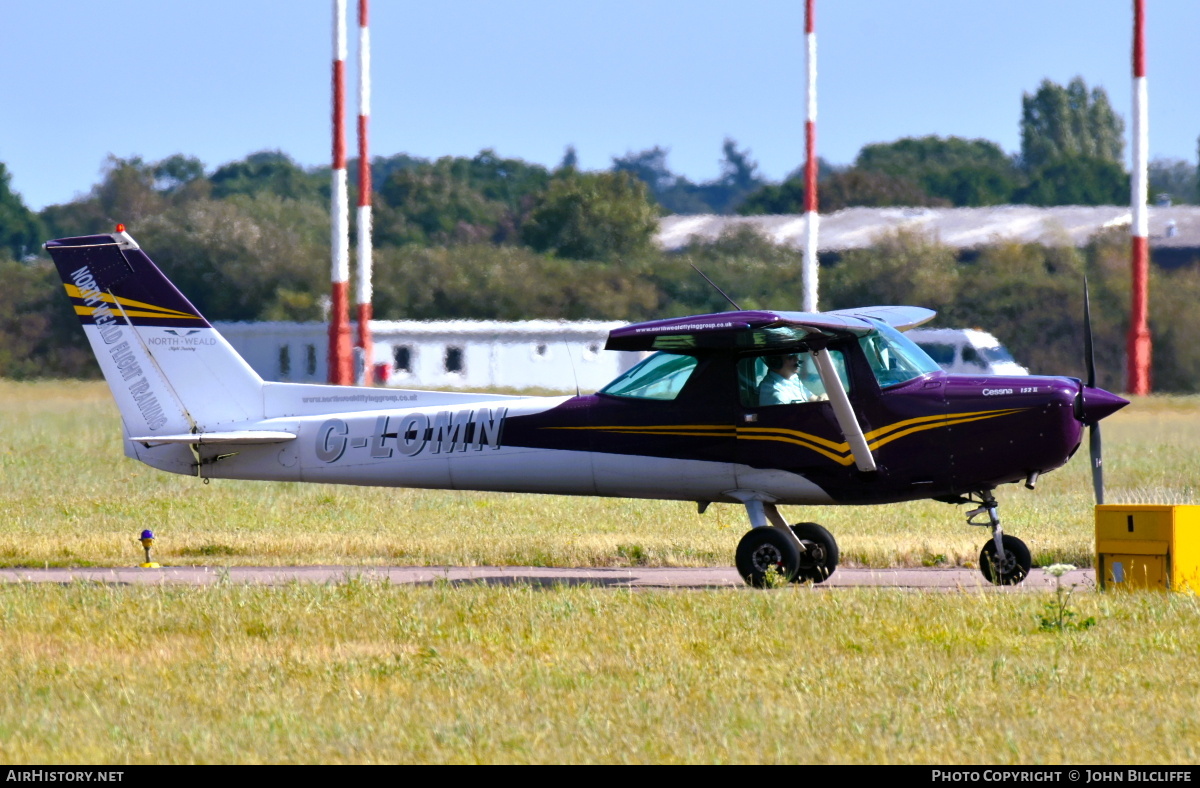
point(364, 672)
point(72, 498)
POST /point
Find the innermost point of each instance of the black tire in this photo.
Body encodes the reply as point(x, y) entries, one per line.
point(820, 560)
point(764, 548)
point(1017, 562)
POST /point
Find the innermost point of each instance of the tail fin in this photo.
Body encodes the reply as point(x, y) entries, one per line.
point(169, 370)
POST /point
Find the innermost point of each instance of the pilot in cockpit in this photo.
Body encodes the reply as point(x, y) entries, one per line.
point(782, 384)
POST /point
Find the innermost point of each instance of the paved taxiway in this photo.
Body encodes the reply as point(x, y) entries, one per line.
point(933, 579)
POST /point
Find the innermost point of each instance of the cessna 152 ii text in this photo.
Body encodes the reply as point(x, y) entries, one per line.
point(878, 421)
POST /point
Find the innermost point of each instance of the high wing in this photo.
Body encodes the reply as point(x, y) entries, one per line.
point(761, 330)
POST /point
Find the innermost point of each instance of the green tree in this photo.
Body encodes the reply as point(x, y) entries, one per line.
point(1058, 122)
point(593, 216)
point(504, 283)
point(129, 191)
point(21, 232)
point(901, 267)
point(738, 180)
point(1174, 325)
point(273, 172)
point(1076, 180)
point(788, 197)
point(382, 167)
point(776, 198)
point(844, 189)
point(39, 331)
point(458, 200)
point(965, 172)
point(177, 172)
point(431, 206)
point(244, 257)
point(1174, 178)
point(1031, 297)
point(855, 187)
point(570, 159)
point(753, 270)
point(511, 182)
point(675, 193)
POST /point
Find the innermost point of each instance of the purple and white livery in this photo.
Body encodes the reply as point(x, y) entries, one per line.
point(885, 424)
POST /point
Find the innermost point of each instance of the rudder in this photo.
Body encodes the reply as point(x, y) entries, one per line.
point(168, 368)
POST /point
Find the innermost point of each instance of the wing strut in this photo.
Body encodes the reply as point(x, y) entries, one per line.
point(844, 412)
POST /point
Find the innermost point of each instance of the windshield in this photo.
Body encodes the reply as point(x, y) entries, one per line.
point(660, 376)
point(893, 357)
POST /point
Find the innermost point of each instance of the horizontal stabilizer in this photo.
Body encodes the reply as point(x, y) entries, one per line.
point(244, 437)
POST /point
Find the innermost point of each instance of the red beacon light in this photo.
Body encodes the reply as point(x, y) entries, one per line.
point(120, 228)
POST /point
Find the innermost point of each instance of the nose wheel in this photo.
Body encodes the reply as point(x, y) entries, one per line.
point(1004, 560)
point(1010, 569)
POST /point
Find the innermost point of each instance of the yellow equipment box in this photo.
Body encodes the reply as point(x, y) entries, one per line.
point(1148, 546)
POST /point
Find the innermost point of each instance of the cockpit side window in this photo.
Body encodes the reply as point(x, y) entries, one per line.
point(778, 380)
point(661, 376)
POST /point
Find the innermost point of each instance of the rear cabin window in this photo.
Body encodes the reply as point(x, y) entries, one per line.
point(661, 376)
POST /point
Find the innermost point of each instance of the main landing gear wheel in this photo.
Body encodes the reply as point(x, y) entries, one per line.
point(763, 549)
point(820, 556)
point(1013, 569)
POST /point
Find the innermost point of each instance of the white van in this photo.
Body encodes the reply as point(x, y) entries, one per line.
point(966, 351)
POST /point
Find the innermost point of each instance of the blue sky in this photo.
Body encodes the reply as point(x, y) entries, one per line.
point(220, 79)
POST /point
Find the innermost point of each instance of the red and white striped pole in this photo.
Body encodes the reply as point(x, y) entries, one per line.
point(1139, 330)
point(811, 219)
point(341, 363)
point(364, 200)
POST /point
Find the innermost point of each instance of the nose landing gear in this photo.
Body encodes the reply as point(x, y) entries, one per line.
point(1005, 560)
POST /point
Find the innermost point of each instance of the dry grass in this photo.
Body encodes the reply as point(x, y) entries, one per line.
point(72, 498)
point(362, 672)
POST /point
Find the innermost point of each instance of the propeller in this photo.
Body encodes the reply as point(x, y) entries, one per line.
point(1094, 442)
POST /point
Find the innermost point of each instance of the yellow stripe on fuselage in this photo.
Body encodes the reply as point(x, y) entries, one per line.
point(947, 423)
point(839, 452)
point(645, 428)
point(838, 458)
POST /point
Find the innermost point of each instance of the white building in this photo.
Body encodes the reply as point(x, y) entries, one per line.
point(546, 354)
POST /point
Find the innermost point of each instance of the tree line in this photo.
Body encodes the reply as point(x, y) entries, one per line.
point(489, 237)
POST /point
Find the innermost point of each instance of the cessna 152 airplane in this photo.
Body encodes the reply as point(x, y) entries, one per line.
point(877, 420)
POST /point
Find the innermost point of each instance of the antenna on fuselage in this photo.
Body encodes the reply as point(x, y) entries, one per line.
point(574, 374)
point(714, 285)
